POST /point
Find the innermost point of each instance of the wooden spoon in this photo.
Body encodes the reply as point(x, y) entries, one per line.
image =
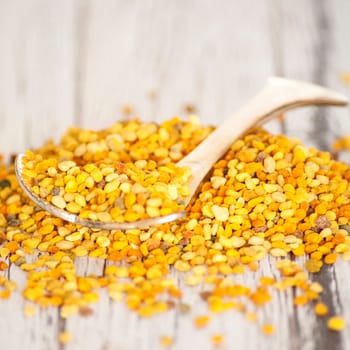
point(278, 95)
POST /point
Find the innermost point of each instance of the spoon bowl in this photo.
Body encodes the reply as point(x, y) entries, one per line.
point(277, 96)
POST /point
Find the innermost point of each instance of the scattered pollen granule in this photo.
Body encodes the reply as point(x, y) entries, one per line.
point(201, 321)
point(336, 323)
point(268, 329)
point(251, 316)
point(64, 337)
point(217, 339)
point(29, 310)
point(345, 78)
point(127, 109)
point(321, 309)
point(342, 143)
point(166, 341)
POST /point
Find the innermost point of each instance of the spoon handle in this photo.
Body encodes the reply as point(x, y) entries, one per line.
point(278, 95)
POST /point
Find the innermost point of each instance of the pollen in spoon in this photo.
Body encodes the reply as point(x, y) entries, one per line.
point(122, 174)
point(108, 191)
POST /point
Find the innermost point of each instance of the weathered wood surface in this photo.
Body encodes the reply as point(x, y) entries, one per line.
point(77, 62)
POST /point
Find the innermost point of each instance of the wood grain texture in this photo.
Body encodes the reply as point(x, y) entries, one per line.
point(182, 51)
point(78, 62)
point(37, 72)
point(309, 42)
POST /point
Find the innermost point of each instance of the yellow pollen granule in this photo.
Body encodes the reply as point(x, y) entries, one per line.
point(64, 337)
point(321, 309)
point(29, 310)
point(201, 321)
point(217, 339)
point(268, 329)
point(166, 341)
point(160, 189)
point(336, 323)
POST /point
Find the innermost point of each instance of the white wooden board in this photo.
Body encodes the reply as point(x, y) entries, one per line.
point(79, 61)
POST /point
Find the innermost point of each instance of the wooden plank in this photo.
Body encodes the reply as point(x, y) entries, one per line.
point(184, 51)
point(338, 286)
point(112, 326)
point(93, 58)
point(303, 43)
point(311, 45)
point(340, 58)
point(37, 72)
point(12, 85)
point(293, 29)
point(36, 103)
point(39, 331)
